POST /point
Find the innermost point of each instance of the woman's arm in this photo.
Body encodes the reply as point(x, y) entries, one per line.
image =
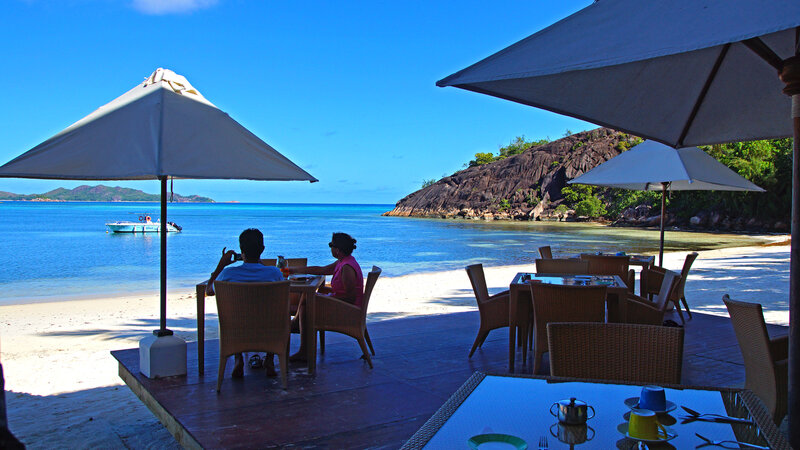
point(350, 282)
point(315, 270)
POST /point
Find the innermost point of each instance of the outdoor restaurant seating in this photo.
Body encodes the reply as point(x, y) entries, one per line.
point(650, 284)
point(493, 309)
point(546, 252)
point(559, 303)
point(337, 315)
point(633, 353)
point(611, 265)
point(765, 360)
point(562, 266)
point(643, 311)
point(253, 317)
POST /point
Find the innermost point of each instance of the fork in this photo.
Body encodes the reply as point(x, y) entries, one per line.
point(723, 444)
point(543, 443)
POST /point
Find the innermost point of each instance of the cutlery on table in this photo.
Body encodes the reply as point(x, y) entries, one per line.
point(714, 417)
point(543, 443)
point(728, 444)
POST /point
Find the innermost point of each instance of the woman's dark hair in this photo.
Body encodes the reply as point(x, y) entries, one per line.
point(343, 242)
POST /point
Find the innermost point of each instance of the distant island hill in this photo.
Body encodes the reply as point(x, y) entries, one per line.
point(99, 193)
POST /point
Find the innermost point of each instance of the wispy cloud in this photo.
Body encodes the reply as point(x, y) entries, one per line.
point(159, 7)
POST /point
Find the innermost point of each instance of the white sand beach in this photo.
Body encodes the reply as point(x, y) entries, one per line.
point(62, 387)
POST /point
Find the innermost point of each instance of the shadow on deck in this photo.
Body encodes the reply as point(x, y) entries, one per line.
point(419, 363)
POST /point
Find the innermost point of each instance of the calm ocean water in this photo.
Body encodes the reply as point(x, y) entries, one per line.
point(57, 251)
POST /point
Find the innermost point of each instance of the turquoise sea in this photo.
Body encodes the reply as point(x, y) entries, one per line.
point(60, 251)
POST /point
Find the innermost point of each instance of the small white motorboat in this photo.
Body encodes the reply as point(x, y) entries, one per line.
point(144, 225)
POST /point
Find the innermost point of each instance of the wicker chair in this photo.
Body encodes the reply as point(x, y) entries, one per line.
point(546, 252)
point(493, 309)
point(643, 311)
point(611, 265)
point(562, 266)
point(765, 359)
point(558, 303)
point(332, 314)
point(644, 354)
point(650, 284)
point(253, 317)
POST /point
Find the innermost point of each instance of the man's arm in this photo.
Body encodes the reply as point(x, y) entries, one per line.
point(225, 260)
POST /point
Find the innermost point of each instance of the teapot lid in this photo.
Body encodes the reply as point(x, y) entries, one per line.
point(572, 402)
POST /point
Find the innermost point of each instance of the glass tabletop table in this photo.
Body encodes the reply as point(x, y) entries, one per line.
point(519, 407)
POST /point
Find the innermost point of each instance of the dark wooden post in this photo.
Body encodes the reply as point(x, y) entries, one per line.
point(163, 331)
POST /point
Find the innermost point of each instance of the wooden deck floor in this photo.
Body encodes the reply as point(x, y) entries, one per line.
point(420, 362)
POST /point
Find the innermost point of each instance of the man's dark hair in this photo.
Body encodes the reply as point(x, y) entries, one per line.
point(251, 241)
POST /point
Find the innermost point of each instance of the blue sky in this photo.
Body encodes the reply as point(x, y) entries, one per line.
point(344, 89)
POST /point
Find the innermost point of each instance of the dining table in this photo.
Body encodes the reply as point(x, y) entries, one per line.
point(520, 303)
point(307, 286)
point(516, 409)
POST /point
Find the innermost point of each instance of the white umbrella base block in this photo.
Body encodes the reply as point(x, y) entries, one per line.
point(163, 356)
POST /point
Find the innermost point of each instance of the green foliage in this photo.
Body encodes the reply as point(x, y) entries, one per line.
point(531, 199)
point(592, 207)
point(584, 200)
point(577, 145)
point(621, 199)
point(555, 163)
point(426, 183)
point(561, 209)
point(515, 147)
point(504, 205)
point(568, 133)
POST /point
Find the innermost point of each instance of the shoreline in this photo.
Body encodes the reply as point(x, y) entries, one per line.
point(57, 366)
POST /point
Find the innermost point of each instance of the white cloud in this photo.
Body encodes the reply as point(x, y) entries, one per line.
point(171, 6)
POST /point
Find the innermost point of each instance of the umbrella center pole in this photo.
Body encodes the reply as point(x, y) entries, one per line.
point(790, 74)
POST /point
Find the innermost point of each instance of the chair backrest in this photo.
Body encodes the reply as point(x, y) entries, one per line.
point(546, 252)
point(618, 352)
point(608, 265)
point(290, 262)
point(559, 303)
point(687, 264)
point(669, 283)
point(478, 281)
point(751, 332)
point(252, 316)
point(564, 266)
point(654, 287)
point(372, 278)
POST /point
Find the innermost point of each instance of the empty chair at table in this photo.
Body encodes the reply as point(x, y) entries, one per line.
point(560, 303)
point(562, 266)
point(253, 317)
point(765, 359)
point(611, 265)
point(493, 309)
point(646, 354)
point(294, 263)
point(644, 311)
point(650, 284)
point(546, 252)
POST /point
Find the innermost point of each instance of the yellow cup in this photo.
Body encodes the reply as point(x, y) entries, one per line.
point(643, 424)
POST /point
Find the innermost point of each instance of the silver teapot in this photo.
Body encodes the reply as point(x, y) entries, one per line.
point(572, 411)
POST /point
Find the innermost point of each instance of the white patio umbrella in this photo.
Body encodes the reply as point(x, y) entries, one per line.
point(683, 72)
point(652, 166)
point(161, 128)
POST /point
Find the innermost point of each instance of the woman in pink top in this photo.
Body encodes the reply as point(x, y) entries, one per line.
point(347, 283)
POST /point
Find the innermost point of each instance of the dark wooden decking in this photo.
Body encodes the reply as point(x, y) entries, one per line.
point(420, 362)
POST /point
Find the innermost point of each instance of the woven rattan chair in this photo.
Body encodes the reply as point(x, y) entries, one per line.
point(332, 314)
point(765, 359)
point(646, 312)
point(611, 265)
point(562, 266)
point(253, 317)
point(650, 284)
point(493, 309)
point(558, 303)
point(644, 354)
point(546, 252)
point(296, 263)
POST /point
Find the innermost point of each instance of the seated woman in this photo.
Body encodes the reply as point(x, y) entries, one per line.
point(347, 283)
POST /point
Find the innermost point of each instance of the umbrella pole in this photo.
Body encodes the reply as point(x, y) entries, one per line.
point(163, 331)
point(663, 207)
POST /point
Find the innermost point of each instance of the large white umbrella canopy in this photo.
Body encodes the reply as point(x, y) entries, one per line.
point(161, 128)
point(682, 72)
point(652, 166)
